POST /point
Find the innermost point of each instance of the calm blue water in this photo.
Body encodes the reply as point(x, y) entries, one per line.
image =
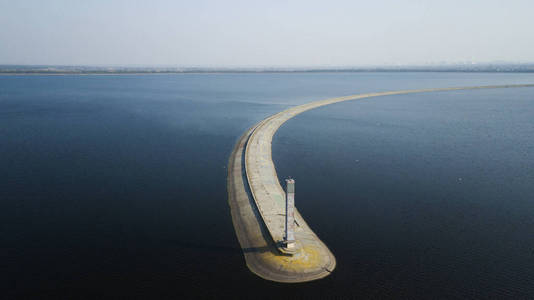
point(116, 185)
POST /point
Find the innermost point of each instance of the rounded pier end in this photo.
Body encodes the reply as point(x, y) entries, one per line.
point(309, 260)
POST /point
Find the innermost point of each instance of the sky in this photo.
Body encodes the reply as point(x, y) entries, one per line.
point(234, 33)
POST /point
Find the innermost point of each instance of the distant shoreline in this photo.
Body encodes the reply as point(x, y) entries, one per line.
point(51, 73)
point(128, 70)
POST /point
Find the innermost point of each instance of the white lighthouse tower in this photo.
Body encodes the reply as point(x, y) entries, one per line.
point(289, 238)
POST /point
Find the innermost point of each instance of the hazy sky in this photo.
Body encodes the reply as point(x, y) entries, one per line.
point(264, 33)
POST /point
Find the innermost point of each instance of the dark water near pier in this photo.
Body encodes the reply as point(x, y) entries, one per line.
point(115, 186)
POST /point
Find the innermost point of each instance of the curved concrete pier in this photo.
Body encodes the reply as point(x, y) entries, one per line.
point(257, 200)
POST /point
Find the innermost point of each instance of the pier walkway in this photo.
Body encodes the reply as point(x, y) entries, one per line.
point(257, 200)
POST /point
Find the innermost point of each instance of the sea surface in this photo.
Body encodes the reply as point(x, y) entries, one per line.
point(115, 186)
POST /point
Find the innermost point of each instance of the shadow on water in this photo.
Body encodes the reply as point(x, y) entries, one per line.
point(206, 247)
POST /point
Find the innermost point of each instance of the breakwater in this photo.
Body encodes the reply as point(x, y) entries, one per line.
point(257, 200)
